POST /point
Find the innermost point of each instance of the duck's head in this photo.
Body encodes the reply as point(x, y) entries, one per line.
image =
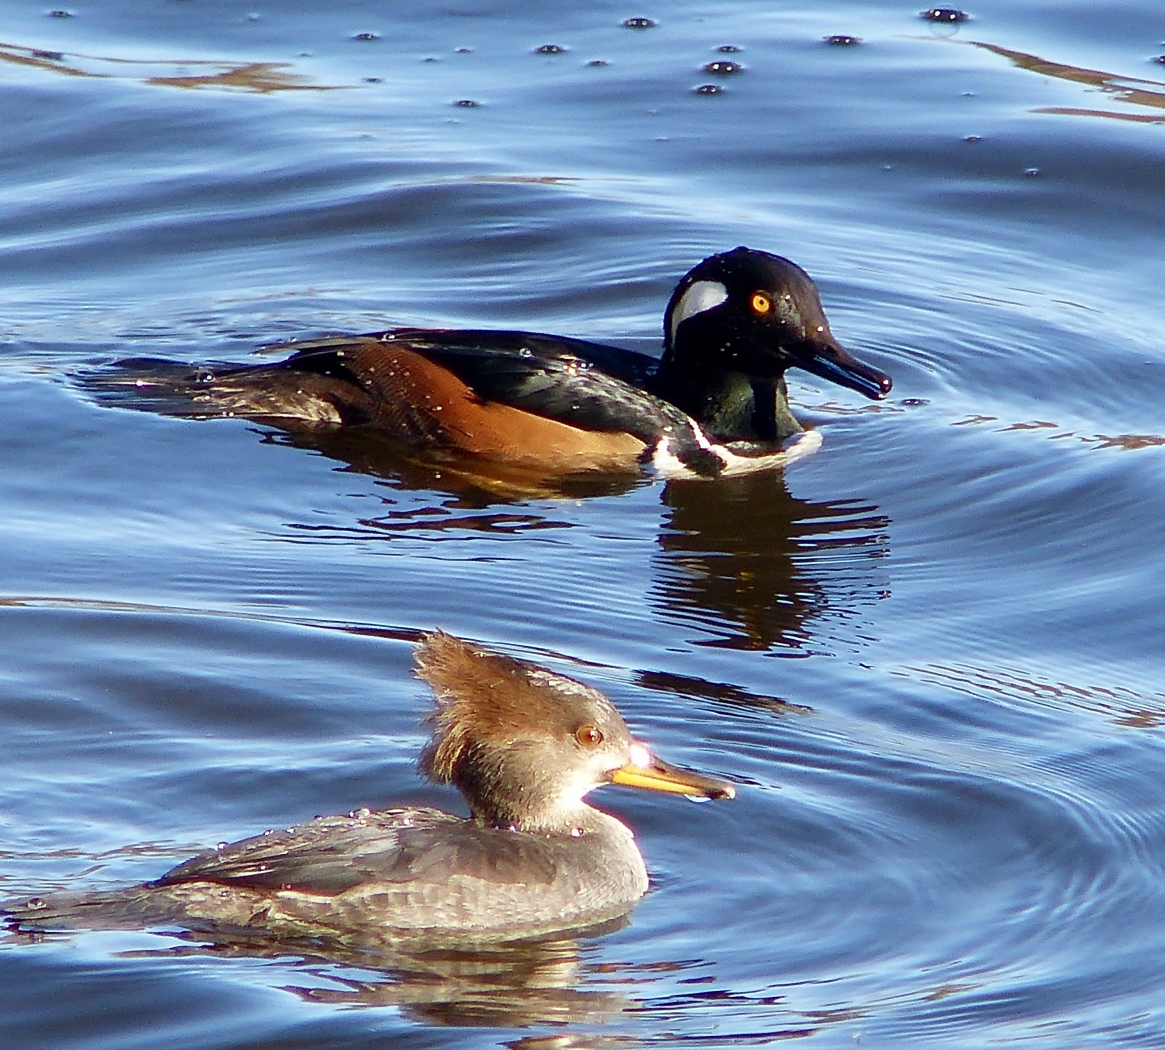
point(757, 314)
point(524, 745)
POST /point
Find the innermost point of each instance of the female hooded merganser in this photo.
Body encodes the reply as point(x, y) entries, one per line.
point(523, 745)
point(715, 403)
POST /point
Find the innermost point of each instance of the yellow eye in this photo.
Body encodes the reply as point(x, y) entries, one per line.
point(761, 303)
point(588, 736)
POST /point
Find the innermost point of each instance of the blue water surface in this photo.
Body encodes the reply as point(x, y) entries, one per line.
point(928, 655)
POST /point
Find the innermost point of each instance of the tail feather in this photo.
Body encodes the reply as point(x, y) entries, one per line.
point(133, 908)
point(265, 393)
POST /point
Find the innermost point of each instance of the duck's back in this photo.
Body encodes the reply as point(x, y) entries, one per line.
point(513, 396)
point(374, 877)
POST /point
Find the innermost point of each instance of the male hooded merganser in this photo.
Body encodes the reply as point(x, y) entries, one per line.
point(715, 403)
point(523, 745)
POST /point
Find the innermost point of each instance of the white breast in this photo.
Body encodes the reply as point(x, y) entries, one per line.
point(668, 464)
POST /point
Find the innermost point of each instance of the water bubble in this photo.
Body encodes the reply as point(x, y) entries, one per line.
point(638, 23)
point(944, 14)
point(366, 36)
point(61, 14)
point(373, 80)
point(1161, 59)
point(972, 138)
point(550, 49)
point(1031, 172)
point(842, 40)
point(729, 49)
point(723, 68)
point(467, 103)
point(709, 89)
point(596, 63)
point(463, 51)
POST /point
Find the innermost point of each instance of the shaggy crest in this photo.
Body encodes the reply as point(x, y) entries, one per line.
point(489, 704)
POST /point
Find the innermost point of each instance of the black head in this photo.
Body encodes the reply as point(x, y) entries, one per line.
point(757, 314)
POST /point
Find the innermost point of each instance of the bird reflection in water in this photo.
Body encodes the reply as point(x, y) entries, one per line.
point(516, 984)
point(554, 981)
point(752, 566)
point(743, 561)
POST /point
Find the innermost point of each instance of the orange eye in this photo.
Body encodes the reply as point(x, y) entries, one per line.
point(761, 303)
point(588, 736)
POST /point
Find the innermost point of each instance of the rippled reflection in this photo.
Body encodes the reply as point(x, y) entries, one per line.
point(520, 983)
point(1131, 90)
point(742, 559)
point(1117, 704)
point(561, 982)
point(1127, 442)
point(751, 565)
point(263, 77)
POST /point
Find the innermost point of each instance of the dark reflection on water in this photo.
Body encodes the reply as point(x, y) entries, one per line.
point(739, 559)
point(724, 692)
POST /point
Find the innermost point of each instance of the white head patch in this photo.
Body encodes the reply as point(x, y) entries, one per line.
point(700, 296)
